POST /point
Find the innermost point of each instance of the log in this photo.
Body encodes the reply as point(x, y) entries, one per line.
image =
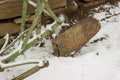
point(13, 8)
point(74, 38)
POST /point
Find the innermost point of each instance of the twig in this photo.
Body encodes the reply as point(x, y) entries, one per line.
point(25, 4)
point(2, 40)
point(39, 20)
point(35, 5)
point(11, 44)
point(37, 14)
point(52, 15)
point(29, 45)
point(30, 72)
point(6, 42)
point(31, 3)
point(9, 65)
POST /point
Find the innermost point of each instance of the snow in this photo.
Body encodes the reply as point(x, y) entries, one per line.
point(95, 61)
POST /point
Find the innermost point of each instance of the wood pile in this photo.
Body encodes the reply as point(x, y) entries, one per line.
point(11, 10)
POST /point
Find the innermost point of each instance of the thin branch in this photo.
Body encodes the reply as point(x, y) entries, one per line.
point(33, 61)
point(29, 45)
point(2, 40)
point(39, 20)
point(38, 26)
point(35, 5)
point(6, 42)
point(31, 3)
point(52, 15)
point(11, 44)
point(25, 4)
point(37, 14)
point(31, 71)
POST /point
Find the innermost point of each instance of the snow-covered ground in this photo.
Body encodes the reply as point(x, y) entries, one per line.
point(96, 61)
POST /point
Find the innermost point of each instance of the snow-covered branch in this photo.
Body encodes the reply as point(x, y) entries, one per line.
point(6, 42)
point(39, 63)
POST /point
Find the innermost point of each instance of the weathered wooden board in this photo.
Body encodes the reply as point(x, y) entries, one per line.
point(94, 3)
point(9, 28)
point(57, 3)
point(13, 8)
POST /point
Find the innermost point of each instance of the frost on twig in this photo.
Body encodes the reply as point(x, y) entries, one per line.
point(12, 43)
point(38, 62)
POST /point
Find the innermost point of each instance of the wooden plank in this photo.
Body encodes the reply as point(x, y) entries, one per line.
point(56, 11)
point(9, 28)
point(94, 3)
point(57, 3)
point(13, 8)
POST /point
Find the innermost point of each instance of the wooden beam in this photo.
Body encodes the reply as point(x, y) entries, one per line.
point(9, 28)
point(94, 3)
point(13, 8)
